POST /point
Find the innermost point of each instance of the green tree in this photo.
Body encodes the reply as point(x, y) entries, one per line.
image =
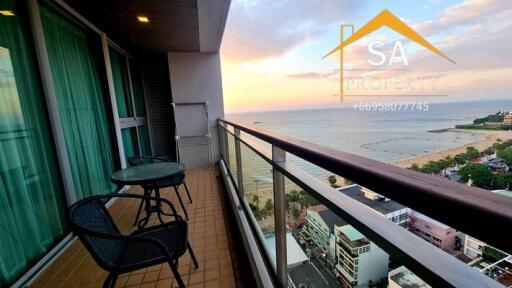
point(502, 181)
point(256, 200)
point(471, 153)
point(492, 254)
point(332, 181)
point(295, 213)
point(460, 159)
point(506, 154)
point(269, 206)
point(415, 167)
point(480, 175)
point(256, 211)
point(449, 161)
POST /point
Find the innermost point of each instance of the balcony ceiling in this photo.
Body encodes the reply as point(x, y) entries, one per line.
point(174, 25)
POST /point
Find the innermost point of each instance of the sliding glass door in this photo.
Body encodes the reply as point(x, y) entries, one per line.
point(130, 105)
point(31, 197)
point(82, 103)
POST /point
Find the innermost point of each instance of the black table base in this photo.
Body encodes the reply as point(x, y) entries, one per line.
point(157, 208)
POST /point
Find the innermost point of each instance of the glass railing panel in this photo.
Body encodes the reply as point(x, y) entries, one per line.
point(232, 156)
point(325, 249)
point(469, 250)
point(258, 197)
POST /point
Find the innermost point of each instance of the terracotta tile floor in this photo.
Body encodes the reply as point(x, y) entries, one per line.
point(209, 236)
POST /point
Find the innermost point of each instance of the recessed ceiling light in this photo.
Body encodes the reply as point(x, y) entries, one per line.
point(143, 19)
point(7, 12)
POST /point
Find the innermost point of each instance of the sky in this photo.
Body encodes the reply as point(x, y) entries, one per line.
point(272, 53)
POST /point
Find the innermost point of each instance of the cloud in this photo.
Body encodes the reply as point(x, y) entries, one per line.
point(267, 28)
point(311, 75)
point(464, 13)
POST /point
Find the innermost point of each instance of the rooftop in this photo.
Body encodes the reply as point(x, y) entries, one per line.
point(430, 220)
point(294, 254)
point(351, 233)
point(307, 276)
point(404, 278)
point(381, 205)
point(331, 219)
point(352, 237)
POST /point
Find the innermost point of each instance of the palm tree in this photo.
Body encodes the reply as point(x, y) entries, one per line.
point(256, 200)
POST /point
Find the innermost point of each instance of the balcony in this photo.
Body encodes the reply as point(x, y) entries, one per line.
point(210, 233)
point(239, 199)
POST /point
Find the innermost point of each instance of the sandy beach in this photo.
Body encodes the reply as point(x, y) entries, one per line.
point(489, 138)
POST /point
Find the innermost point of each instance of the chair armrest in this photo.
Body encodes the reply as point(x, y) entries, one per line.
point(107, 197)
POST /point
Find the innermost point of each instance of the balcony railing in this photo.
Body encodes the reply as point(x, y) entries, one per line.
point(474, 211)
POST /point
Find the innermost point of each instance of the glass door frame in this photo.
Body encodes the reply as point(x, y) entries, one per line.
point(55, 124)
point(134, 121)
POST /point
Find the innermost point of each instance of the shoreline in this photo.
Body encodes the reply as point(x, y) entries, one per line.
point(489, 138)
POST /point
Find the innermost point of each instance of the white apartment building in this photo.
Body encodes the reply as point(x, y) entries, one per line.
point(358, 260)
point(320, 230)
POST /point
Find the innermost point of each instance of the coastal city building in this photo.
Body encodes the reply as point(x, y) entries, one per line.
point(434, 232)
point(507, 120)
point(388, 208)
point(319, 230)
point(402, 277)
point(295, 256)
point(473, 247)
point(358, 260)
point(492, 262)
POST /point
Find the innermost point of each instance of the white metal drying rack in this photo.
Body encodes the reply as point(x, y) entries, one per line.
point(192, 138)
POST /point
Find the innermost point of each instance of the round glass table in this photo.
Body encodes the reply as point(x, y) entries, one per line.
point(148, 176)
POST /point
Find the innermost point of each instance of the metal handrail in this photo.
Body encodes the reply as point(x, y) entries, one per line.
point(476, 212)
point(434, 265)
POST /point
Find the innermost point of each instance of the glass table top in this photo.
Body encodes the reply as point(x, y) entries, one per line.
point(147, 173)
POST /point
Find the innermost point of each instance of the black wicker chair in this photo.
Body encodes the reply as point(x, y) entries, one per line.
point(118, 253)
point(174, 182)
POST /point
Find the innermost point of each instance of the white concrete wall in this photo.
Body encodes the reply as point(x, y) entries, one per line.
point(196, 77)
point(373, 265)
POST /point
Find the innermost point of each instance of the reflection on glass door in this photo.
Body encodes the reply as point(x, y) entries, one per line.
point(31, 198)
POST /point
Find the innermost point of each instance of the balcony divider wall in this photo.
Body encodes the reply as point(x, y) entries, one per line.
point(60, 132)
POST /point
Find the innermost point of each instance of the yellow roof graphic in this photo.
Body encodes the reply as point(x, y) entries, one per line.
point(386, 18)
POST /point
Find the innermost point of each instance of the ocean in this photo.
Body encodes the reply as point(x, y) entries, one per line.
point(386, 136)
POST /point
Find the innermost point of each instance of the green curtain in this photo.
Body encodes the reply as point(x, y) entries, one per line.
point(145, 144)
point(129, 142)
point(82, 105)
point(118, 64)
point(138, 94)
point(31, 198)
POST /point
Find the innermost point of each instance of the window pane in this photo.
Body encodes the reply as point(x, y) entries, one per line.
point(145, 144)
point(31, 199)
point(81, 102)
point(121, 87)
point(138, 93)
point(130, 144)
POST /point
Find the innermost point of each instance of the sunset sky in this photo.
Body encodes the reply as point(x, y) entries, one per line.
point(272, 51)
